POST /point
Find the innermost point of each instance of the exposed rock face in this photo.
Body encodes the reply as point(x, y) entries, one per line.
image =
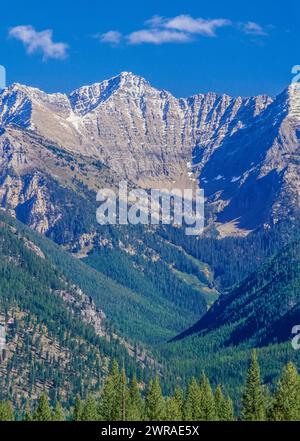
point(243, 150)
point(255, 172)
point(141, 132)
point(28, 197)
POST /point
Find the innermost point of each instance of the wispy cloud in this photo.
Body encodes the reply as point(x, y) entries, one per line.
point(39, 41)
point(180, 29)
point(192, 25)
point(253, 28)
point(159, 30)
point(113, 37)
point(157, 36)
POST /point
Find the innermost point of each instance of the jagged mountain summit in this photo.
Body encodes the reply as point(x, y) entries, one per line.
point(254, 175)
point(244, 152)
point(145, 134)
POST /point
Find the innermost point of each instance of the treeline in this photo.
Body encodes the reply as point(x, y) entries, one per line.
point(125, 400)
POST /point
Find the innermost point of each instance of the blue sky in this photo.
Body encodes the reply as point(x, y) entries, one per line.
point(234, 47)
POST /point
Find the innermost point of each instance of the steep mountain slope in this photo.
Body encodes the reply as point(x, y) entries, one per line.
point(259, 313)
point(141, 306)
point(232, 259)
point(253, 176)
point(56, 338)
point(57, 150)
point(53, 309)
point(54, 192)
point(261, 310)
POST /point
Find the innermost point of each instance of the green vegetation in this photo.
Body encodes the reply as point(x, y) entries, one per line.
point(260, 312)
point(150, 279)
point(50, 344)
point(232, 259)
point(134, 291)
point(131, 282)
point(123, 400)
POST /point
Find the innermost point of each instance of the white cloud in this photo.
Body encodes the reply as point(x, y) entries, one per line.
point(155, 21)
point(157, 36)
point(113, 37)
point(253, 28)
point(196, 25)
point(182, 28)
point(42, 42)
point(159, 30)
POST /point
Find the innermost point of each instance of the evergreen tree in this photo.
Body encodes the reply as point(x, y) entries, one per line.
point(173, 409)
point(6, 411)
point(58, 413)
point(125, 403)
point(110, 406)
point(220, 402)
point(155, 403)
point(135, 407)
point(178, 395)
point(253, 397)
point(89, 410)
point(192, 410)
point(43, 410)
point(286, 406)
point(27, 415)
point(77, 412)
point(223, 406)
point(207, 400)
point(228, 410)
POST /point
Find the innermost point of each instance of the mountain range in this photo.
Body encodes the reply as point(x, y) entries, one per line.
point(148, 295)
point(244, 152)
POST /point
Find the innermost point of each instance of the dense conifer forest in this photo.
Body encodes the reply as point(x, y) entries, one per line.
point(123, 399)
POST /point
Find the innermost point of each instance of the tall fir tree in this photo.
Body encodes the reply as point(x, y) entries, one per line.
point(253, 397)
point(220, 403)
point(229, 410)
point(155, 403)
point(192, 409)
point(207, 400)
point(286, 405)
point(89, 410)
point(173, 409)
point(135, 407)
point(109, 406)
point(58, 413)
point(43, 410)
point(77, 411)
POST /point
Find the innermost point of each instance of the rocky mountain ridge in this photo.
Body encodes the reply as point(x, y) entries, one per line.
point(238, 149)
